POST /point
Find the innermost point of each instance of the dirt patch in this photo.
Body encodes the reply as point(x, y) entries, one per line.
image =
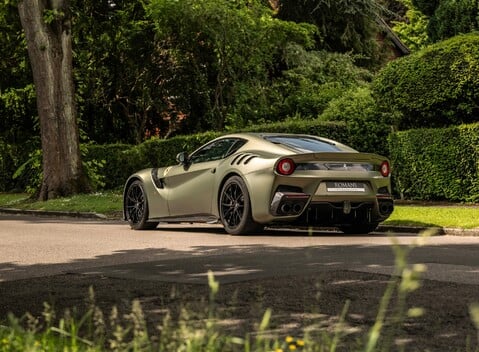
point(299, 304)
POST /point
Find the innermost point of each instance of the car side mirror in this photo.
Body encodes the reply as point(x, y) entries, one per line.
point(182, 158)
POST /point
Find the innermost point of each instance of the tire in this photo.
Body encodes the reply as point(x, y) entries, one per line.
point(235, 208)
point(360, 229)
point(136, 207)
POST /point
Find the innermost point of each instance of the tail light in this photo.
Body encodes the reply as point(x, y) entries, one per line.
point(385, 168)
point(285, 167)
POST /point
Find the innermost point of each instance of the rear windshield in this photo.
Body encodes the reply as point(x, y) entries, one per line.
point(304, 144)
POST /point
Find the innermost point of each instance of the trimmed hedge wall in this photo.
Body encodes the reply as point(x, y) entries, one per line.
point(433, 88)
point(437, 164)
point(428, 164)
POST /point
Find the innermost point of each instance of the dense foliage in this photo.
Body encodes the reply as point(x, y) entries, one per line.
point(220, 59)
point(358, 109)
point(448, 18)
point(116, 75)
point(161, 68)
point(435, 87)
point(172, 69)
point(412, 28)
point(18, 117)
point(438, 164)
point(344, 25)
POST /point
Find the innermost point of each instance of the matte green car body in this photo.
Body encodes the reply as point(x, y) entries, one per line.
point(343, 181)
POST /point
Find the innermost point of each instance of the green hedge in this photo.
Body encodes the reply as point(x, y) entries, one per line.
point(437, 164)
point(112, 164)
point(121, 160)
point(116, 161)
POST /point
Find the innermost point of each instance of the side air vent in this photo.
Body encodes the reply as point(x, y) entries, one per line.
point(243, 158)
point(156, 180)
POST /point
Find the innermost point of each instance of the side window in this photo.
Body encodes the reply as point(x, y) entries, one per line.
point(216, 150)
point(234, 147)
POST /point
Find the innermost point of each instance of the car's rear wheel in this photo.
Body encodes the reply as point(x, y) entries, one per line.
point(136, 207)
point(359, 229)
point(235, 208)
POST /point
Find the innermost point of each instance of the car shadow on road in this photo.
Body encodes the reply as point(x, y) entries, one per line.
point(275, 231)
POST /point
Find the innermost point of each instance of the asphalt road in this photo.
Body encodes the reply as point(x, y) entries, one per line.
point(37, 247)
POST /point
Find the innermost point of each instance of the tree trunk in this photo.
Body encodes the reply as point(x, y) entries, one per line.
point(47, 26)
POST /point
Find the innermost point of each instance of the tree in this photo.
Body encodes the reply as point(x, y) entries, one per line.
point(346, 26)
point(47, 29)
point(219, 58)
point(117, 74)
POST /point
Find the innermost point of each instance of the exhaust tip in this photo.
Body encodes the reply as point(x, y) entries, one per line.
point(288, 203)
point(386, 207)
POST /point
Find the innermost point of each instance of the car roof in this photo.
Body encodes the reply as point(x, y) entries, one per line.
point(260, 137)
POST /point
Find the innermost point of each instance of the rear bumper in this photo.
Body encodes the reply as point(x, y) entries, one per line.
point(346, 212)
point(305, 210)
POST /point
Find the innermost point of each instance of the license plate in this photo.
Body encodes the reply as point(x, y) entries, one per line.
point(345, 186)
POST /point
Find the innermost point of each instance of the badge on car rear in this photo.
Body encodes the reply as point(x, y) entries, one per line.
point(340, 186)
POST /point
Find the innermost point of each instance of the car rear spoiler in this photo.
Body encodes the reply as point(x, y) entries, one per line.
point(338, 157)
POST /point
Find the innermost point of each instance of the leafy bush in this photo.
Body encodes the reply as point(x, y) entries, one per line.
point(427, 7)
point(313, 79)
point(7, 163)
point(435, 87)
point(448, 18)
point(31, 172)
point(357, 108)
point(12, 156)
point(412, 31)
point(215, 53)
point(453, 17)
point(437, 164)
point(116, 162)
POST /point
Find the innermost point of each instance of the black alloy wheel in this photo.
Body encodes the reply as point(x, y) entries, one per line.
point(136, 207)
point(235, 208)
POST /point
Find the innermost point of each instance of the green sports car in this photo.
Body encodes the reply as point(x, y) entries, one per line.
point(252, 180)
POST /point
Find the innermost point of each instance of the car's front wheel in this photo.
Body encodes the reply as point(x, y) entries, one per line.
point(235, 208)
point(136, 207)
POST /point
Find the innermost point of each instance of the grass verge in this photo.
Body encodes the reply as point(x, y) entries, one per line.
point(465, 217)
point(109, 203)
